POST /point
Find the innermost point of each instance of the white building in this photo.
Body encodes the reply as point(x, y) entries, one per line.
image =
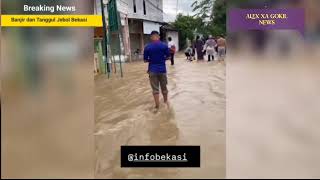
point(138, 19)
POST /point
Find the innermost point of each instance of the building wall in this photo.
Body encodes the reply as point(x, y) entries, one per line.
point(132, 29)
point(135, 42)
point(135, 26)
point(154, 10)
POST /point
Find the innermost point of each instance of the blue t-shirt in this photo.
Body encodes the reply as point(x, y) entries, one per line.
point(156, 54)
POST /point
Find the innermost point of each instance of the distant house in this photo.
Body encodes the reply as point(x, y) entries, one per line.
point(138, 19)
point(167, 31)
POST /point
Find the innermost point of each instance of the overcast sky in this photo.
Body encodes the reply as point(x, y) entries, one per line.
point(170, 8)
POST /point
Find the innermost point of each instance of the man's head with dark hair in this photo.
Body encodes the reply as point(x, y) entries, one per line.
point(154, 32)
point(169, 39)
point(198, 37)
point(155, 36)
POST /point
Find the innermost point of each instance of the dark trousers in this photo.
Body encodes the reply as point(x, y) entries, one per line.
point(172, 58)
point(209, 57)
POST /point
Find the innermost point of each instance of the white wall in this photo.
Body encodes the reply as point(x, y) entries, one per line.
point(154, 10)
point(148, 27)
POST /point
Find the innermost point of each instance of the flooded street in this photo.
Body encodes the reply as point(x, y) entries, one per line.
point(124, 116)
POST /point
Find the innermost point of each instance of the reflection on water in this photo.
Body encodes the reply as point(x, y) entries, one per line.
point(196, 116)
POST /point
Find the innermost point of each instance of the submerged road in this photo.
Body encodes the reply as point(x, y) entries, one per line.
point(124, 116)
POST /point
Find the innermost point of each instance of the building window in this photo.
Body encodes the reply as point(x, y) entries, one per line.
point(144, 8)
point(134, 6)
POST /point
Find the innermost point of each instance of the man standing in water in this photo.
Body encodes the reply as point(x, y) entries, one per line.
point(221, 42)
point(172, 47)
point(156, 53)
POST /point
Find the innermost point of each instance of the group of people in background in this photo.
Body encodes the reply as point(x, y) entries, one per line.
point(210, 47)
point(156, 53)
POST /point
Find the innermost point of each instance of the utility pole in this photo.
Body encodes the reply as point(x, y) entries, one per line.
point(105, 55)
point(120, 40)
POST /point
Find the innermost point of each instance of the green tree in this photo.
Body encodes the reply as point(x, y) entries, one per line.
point(219, 18)
point(187, 27)
point(203, 8)
point(213, 13)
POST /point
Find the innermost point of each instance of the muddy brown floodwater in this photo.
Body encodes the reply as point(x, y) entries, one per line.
point(124, 116)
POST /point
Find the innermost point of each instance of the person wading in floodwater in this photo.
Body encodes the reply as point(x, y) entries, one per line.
point(199, 48)
point(172, 47)
point(156, 53)
point(221, 42)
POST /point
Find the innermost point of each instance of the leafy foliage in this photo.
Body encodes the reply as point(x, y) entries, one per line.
point(209, 19)
point(204, 8)
point(187, 26)
point(218, 24)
